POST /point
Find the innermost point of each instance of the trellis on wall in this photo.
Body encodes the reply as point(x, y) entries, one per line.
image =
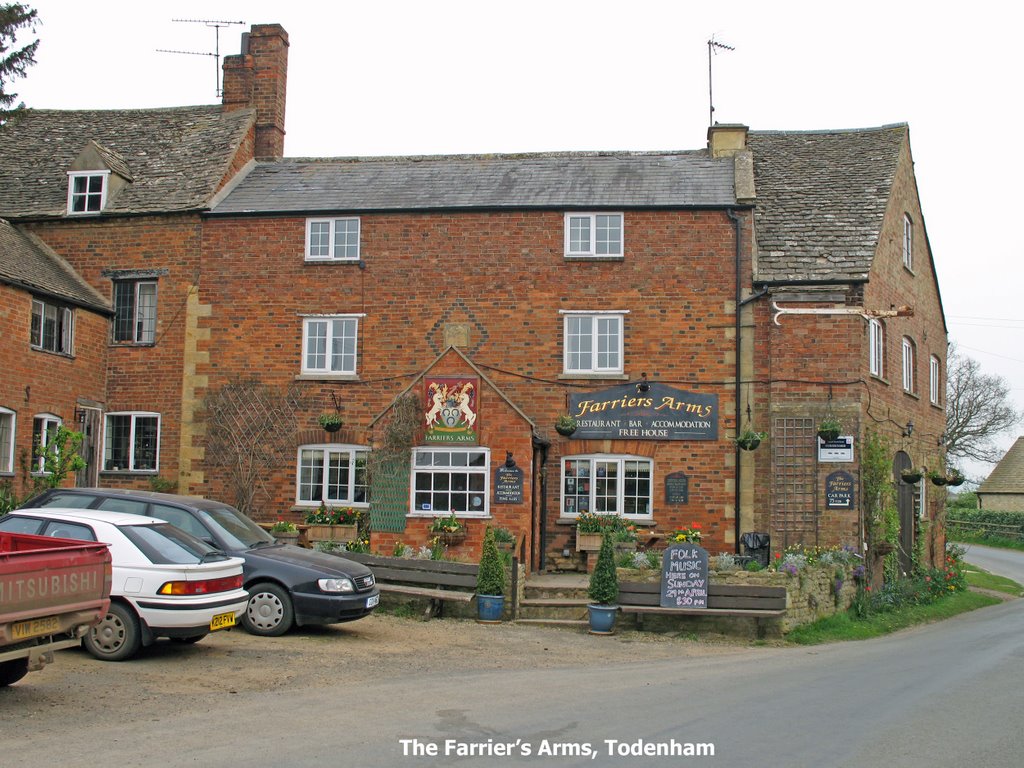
point(794, 517)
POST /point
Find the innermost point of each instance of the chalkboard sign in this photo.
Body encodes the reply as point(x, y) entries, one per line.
point(839, 490)
point(508, 485)
point(677, 488)
point(684, 577)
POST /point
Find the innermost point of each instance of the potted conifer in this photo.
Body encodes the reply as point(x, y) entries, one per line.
point(490, 582)
point(604, 590)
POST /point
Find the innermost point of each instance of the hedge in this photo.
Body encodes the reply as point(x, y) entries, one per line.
point(987, 522)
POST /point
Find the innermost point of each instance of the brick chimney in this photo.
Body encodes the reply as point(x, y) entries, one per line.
point(257, 77)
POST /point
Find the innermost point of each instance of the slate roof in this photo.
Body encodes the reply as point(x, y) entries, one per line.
point(1008, 475)
point(821, 198)
point(26, 262)
point(555, 180)
point(176, 157)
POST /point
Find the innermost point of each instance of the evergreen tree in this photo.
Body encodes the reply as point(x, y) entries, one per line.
point(604, 581)
point(491, 576)
point(13, 60)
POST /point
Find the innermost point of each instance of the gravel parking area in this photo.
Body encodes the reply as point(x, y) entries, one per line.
point(379, 646)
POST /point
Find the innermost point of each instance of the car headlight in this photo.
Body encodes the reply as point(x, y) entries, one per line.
point(335, 585)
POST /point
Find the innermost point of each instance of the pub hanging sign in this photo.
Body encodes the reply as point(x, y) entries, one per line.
point(452, 407)
point(659, 413)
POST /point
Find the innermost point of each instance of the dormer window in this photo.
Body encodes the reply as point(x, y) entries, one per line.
point(87, 192)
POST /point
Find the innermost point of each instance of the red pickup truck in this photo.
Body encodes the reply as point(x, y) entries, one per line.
point(51, 592)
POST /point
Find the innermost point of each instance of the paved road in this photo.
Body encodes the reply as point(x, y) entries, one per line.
point(943, 695)
point(1004, 562)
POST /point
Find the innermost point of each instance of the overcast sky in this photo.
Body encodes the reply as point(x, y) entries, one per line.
point(397, 77)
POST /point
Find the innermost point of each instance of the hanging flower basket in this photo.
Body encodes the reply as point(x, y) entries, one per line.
point(452, 538)
point(331, 422)
point(829, 428)
point(911, 476)
point(954, 479)
point(566, 425)
point(937, 479)
point(748, 440)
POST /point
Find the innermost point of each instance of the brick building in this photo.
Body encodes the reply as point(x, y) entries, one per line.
point(665, 299)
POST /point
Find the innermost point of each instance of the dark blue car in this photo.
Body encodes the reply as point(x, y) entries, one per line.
point(287, 585)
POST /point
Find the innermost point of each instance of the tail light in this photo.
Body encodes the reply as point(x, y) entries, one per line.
point(204, 587)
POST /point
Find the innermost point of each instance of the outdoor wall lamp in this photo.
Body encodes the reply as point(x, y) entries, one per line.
point(909, 429)
point(642, 386)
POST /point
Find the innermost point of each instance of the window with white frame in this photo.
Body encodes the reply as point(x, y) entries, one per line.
point(52, 327)
point(934, 380)
point(876, 348)
point(593, 235)
point(908, 242)
point(329, 344)
point(135, 311)
point(607, 485)
point(44, 431)
point(131, 442)
point(8, 421)
point(451, 480)
point(332, 239)
point(909, 365)
point(332, 474)
point(87, 192)
point(593, 342)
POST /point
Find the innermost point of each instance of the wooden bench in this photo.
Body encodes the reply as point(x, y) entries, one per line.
point(437, 581)
point(748, 600)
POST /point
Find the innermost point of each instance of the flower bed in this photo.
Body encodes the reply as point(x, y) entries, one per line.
point(818, 583)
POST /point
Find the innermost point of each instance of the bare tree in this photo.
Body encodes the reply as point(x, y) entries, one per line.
point(978, 409)
point(251, 427)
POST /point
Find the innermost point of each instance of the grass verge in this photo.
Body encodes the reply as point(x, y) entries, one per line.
point(999, 542)
point(845, 626)
point(979, 577)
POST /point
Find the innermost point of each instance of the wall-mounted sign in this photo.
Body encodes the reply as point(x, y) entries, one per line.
point(451, 409)
point(838, 450)
point(839, 490)
point(684, 577)
point(508, 485)
point(660, 413)
point(677, 488)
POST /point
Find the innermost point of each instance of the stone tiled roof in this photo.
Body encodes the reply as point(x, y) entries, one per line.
point(1008, 475)
point(175, 157)
point(821, 198)
point(26, 262)
point(570, 180)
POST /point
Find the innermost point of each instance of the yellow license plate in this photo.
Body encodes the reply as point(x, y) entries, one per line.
point(35, 627)
point(222, 621)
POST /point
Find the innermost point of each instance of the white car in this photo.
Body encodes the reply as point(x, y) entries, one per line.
point(166, 582)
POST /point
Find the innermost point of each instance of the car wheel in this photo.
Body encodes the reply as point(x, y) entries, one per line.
point(189, 640)
point(117, 637)
point(12, 671)
point(269, 612)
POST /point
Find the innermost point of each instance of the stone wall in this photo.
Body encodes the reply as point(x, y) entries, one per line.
point(810, 595)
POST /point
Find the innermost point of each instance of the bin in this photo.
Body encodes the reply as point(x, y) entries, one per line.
point(758, 546)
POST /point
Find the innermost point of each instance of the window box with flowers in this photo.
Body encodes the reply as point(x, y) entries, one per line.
point(285, 532)
point(450, 530)
point(691, 535)
point(333, 524)
point(591, 526)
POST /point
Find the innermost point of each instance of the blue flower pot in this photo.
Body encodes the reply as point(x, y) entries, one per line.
point(602, 618)
point(489, 608)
